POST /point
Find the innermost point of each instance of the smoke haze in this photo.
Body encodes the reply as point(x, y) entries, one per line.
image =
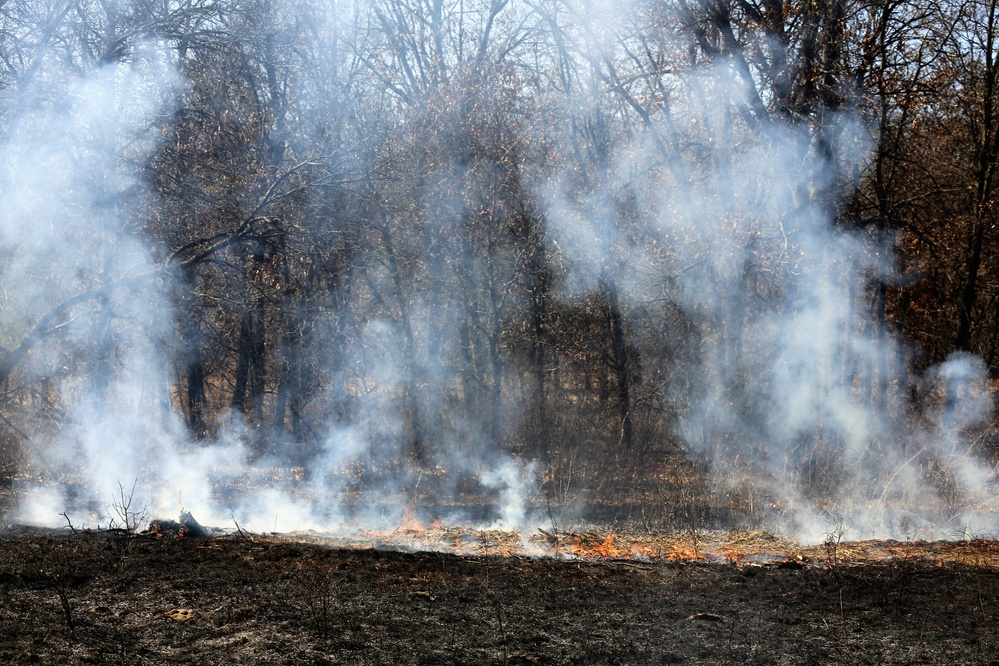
point(788, 394)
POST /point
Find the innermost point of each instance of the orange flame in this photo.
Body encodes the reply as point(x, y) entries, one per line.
point(735, 557)
point(409, 523)
point(609, 548)
point(680, 552)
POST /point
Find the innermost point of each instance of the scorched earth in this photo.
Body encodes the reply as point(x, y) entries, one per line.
point(107, 598)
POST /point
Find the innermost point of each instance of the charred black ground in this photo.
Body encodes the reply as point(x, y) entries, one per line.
point(95, 598)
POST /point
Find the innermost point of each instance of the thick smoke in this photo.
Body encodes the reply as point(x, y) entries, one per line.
point(798, 400)
point(74, 191)
point(75, 195)
point(793, 395)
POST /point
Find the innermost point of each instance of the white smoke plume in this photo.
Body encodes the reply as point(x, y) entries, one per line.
point(71, 172)
point(783, 405)
point(786, 395)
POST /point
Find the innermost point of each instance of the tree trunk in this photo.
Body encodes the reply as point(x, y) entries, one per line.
point(197, 398)
point(620, 365)
point(415, 436)
point(969, 294)
point(251, 367)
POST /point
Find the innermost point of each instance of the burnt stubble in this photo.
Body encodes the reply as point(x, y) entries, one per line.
point(251, 599)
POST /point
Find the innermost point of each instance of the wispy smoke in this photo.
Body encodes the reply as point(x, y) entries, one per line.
point(797, 397)
point(70, 183)
point(791, 393)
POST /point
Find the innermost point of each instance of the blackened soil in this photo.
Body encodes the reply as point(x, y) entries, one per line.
point(103, 598)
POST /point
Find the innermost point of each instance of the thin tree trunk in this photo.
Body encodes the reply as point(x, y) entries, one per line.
point(620, 365)
point(415, 436)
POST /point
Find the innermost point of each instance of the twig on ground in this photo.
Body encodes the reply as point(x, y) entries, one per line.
point(239, 530)
point(69, 523)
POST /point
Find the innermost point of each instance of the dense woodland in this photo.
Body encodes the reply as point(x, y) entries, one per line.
point(544, 227)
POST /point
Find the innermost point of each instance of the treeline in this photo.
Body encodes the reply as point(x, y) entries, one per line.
point(541, 226)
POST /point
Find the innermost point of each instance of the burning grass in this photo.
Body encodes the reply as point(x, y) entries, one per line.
point(425, 591)
point(753, 548)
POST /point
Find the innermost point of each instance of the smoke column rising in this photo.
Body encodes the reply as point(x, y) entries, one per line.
point(797, 400)
point(780, 400)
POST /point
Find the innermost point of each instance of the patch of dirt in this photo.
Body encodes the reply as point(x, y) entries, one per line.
point(96, 598)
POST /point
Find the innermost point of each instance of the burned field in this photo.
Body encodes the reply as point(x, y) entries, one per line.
point(104, 597)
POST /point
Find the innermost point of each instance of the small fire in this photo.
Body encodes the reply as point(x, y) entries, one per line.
point(613, 546)
point(606, 549)
point(746, 549)
point(410, 524)
point(736, 557)
point(684, 553)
